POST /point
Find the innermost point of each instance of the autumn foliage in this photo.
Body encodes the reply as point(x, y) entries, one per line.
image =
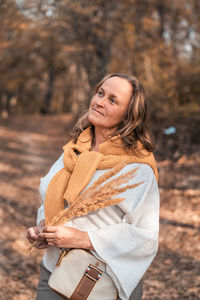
point(52, 53)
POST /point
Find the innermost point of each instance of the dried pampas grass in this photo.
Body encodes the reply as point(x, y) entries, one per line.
point(100, 194)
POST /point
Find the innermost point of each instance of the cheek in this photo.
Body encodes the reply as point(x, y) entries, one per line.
point(122, 113)
point(117, 114)
point(90, 112)
point(116, 117)
point(91, 105)
point(92, 102)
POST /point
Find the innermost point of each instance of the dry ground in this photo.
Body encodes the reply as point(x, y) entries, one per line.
point(28, 146)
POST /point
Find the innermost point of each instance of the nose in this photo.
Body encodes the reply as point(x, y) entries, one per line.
point(101, 101)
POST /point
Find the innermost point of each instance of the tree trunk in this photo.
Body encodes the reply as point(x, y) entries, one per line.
point(48, 98)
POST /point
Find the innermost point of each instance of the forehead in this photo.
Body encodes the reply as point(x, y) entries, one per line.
point(117, 86)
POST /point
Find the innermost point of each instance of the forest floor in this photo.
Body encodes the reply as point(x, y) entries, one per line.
point(29, 145)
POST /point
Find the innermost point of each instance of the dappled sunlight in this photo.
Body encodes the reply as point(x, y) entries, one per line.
point(52, 54)
point(5, 167)
point(181, 205)
point(26, 155)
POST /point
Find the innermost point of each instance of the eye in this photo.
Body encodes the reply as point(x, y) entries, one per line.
point(100, 93)
point(112, 100)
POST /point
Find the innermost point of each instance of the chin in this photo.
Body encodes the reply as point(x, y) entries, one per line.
point(93, 120)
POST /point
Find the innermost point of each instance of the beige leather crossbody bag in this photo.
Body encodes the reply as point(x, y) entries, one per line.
point(79, 275)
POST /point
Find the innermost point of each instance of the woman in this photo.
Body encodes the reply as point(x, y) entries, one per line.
point(124, 235)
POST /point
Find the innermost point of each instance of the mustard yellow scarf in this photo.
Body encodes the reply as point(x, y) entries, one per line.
point(78, 170)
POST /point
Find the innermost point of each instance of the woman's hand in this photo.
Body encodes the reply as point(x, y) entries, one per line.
point(65, 237)
point(33, 232)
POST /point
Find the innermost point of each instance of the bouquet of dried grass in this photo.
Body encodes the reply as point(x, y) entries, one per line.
point(101, 192)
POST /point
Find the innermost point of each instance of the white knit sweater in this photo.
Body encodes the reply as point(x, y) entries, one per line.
point(125, 236)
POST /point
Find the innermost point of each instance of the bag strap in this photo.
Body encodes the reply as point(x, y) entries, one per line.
point(87, 283)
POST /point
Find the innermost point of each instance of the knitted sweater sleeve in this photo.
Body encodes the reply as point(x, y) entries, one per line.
point(129, 247)
point(44, 181)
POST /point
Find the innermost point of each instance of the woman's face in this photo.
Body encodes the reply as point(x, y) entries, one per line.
point(109, 104)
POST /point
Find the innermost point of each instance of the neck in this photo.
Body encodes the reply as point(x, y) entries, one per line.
point(100, 136)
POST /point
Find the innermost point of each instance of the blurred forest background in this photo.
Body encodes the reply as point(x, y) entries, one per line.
point(52, 54)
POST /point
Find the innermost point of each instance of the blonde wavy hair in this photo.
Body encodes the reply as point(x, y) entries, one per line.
point(135, 125)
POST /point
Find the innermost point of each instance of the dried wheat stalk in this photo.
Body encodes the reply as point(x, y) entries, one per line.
point(101, 192)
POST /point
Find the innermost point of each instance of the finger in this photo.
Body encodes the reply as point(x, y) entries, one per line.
point(36, 229)
point(28, 237)
point(50, 239)
point(49, 229)
point(51, 244)
point(43, 245)
point(46, 235)
point(31, 240)
point(31, 233)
